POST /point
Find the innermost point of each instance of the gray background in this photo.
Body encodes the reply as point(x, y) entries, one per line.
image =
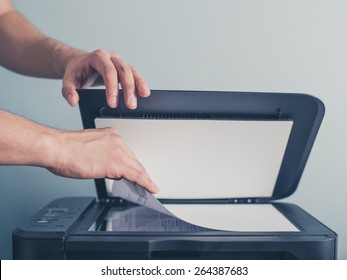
point(281, 46)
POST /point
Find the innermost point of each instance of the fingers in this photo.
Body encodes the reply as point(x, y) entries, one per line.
point(126, 79)
point(140, 84)
point(70, 94)
point(111, 67)
point(134, 171)
point(99, 153)
point(126, 165)
point(103, 65)
point(112, 70)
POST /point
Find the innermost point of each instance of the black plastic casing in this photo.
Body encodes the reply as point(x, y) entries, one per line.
point(313, 241)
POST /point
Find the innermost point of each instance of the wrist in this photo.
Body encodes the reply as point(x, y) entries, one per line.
point(47, 150)
point(23, 142)
point(61, 55)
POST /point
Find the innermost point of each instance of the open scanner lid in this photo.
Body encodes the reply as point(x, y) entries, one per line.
point(234, 146)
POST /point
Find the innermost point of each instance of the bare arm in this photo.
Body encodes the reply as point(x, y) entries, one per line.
point(97, 153)
point(24, 49)
point(88, 154)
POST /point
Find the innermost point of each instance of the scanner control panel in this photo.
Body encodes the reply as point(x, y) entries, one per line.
point(59, 215)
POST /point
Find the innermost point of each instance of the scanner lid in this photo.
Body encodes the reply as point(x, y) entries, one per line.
point(206, 146)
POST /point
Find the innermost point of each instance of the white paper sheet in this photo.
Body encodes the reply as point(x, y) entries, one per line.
point(230, 217)
point(134, 193)
point(233, 217)
point(207, 159)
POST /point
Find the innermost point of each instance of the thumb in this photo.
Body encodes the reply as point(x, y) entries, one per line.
point(70, 94)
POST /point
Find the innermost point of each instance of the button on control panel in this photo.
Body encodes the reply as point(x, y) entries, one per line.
point(59, 215)
point(54, 215)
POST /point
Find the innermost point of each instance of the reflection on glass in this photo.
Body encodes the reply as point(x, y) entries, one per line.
point(140, 219)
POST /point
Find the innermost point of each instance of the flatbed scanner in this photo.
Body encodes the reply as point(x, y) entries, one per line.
point(222, 160)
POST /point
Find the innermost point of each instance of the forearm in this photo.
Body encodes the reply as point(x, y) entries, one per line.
point(85, 154)
point(23, 142)
point(24, 49)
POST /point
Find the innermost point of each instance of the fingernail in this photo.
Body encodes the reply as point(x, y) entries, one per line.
point(145, 91)
point(156, 188)
point(114, 101)
point(133, 102)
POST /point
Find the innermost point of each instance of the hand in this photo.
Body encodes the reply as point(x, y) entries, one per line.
point(112, 70)
point(98, 153)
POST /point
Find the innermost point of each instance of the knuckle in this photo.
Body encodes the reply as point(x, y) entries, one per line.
point(103, 53)
point(111, 131)
point(114, 54)
point(98, 55)
point(129, 85)
point(99, 52)
point(124, 68)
